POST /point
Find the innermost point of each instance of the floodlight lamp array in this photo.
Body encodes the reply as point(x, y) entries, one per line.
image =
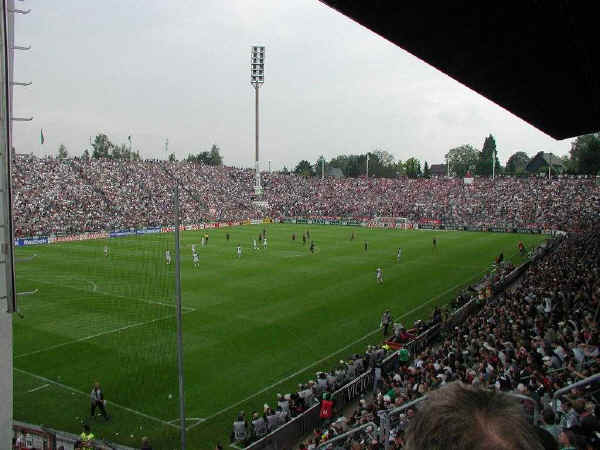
point(257, 65)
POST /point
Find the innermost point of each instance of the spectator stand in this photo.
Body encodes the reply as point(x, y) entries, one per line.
point(288, 434)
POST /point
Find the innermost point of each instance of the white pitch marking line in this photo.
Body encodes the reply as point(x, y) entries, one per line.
point(39, 387)
point(77, 391)
point(93, 336)
point(304, 369)
point(199, 419)
point(109, 294)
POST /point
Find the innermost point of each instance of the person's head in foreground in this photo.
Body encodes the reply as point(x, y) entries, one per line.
point(459, 416)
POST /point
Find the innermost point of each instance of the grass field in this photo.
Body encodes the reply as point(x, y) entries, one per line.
point(253, 326)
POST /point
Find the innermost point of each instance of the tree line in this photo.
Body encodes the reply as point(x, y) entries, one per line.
point(583, 158)
point(102, 147)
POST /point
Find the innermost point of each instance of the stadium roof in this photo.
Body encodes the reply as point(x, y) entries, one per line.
point(537, 59)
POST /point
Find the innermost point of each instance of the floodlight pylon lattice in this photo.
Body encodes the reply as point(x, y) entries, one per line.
point(257, 78)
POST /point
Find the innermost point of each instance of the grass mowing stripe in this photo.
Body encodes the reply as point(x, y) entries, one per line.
point(325, 358)
point(109, 294)
point(77, 391)
point(93, 336)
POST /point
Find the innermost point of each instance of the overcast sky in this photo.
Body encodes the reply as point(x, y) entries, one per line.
point(180, 70)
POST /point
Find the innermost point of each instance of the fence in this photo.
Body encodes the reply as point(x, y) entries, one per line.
point(577, 385)
point(347, 434)
point(287, 435)
point(29, 436)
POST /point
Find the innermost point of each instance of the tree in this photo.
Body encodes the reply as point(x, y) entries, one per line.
point(462, 159)
point(102, 147)
point(86, 154)
point(172, 157)
point(426, 171)
point(385, 158)
point(285, 171)
point(517, 163)
point(413, 167)
point(486, 157)
point(214, 157)
point(62, 152)
point(304, 168)
point(585, 154)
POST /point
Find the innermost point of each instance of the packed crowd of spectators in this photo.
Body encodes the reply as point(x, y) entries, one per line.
point(537, 337)
point(76, 195)
point(248, 428)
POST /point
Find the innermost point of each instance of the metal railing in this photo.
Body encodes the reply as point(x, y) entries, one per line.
point(578, 384)
point(347, 434)
point(287, 435)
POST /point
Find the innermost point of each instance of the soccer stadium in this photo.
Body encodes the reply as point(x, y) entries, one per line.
point(360, 302)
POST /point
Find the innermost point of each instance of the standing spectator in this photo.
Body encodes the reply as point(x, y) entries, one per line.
point(97, 401)
point(386, 320)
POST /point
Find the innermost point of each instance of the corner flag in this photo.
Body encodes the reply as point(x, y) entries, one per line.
point(41, 136)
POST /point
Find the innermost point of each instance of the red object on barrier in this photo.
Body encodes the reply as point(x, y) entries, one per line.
point(326, 409)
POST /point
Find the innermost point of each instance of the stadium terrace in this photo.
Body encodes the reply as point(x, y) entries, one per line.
point(68, 196)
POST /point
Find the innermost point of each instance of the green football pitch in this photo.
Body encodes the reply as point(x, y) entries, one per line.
point(253, 326)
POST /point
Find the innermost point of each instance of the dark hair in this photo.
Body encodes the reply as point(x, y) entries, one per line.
point(549, 416)
point(458, 416)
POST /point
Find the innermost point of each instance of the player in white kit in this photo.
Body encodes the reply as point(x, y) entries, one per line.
point(254, 245)
point(265, 242)
point(399, 255)
point(196, 261)
point(239, 251)
point(193, 248)
point(203, 243)
point(168, 256)
point(106, 250)
point(379, 275)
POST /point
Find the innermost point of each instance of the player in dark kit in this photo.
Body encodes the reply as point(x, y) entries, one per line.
point(303, 238)
point(227, 236)
point(308, 234)
point(366, 246)
point(293, 236)
point(434, 248)
point(352, 236)
point(312, 246)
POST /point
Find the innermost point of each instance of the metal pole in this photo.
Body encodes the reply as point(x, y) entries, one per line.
point(367, 165)
point(257, 187)
point(179, 322)
point(493, 164)
point(167, 148)
point(322, 168)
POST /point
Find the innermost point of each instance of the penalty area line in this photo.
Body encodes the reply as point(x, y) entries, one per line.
point(325, 358)
point(77, 391)
point(43, 386)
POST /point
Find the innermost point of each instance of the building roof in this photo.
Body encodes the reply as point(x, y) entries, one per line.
point(535, 58)
point(438, 169)
point(335, 172)
point(543, 159)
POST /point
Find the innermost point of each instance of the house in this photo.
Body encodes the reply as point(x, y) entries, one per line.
point(542, 161)
point(335, 172)
point(438, 170)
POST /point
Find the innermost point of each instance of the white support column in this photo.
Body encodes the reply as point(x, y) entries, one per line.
point(7, 295)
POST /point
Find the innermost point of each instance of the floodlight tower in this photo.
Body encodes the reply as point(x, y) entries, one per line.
point(257, 70)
